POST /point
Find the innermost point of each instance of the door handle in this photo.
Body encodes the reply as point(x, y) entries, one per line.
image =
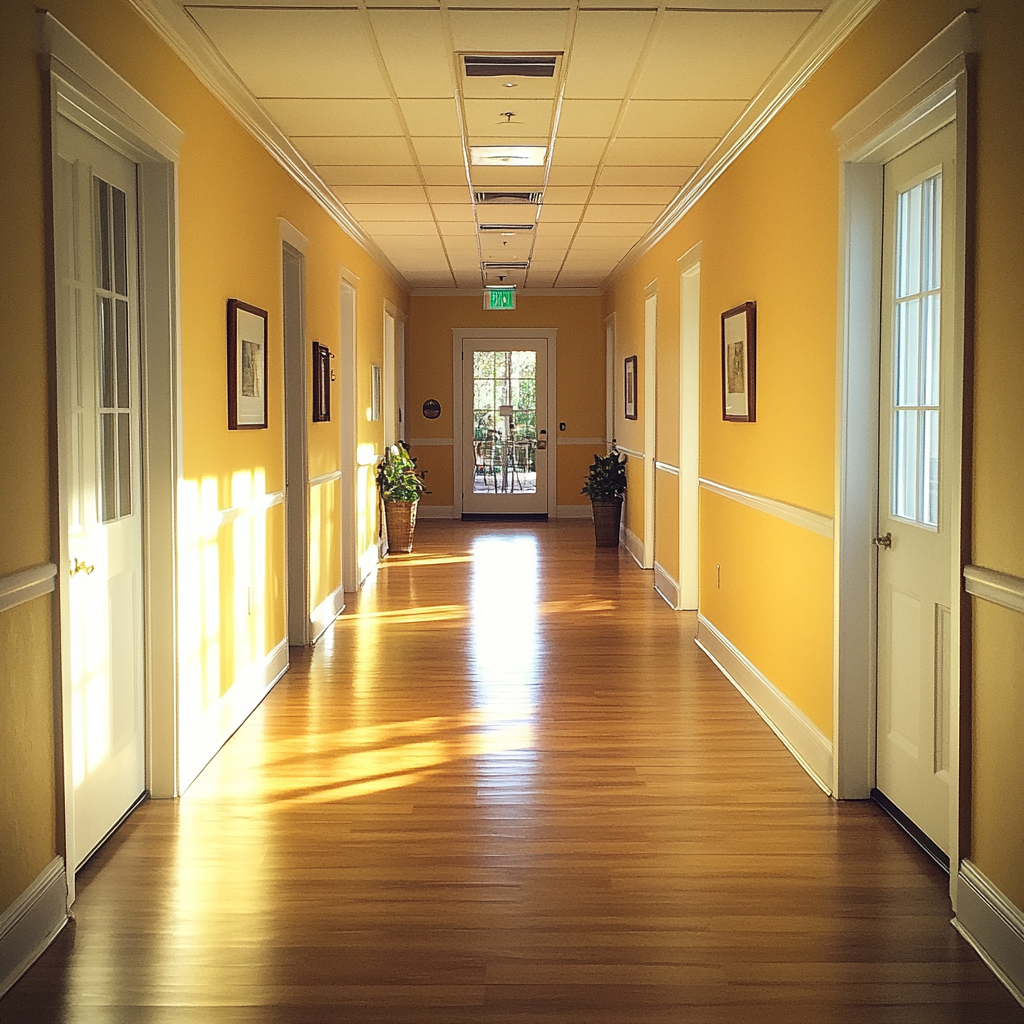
point(884, 542)
point(82, 567)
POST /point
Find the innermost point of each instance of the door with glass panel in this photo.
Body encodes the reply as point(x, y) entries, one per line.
point(915, 542)
point(100, 453)
point(504, 426)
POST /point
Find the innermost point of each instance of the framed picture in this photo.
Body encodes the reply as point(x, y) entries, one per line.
point(630, 379)
point(739, 363)
point(375, 393)
point(247, 366)
point(321, 383)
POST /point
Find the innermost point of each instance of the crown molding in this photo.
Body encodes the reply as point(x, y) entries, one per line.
point(828, 32)
point(524, 293)
point(189, 42)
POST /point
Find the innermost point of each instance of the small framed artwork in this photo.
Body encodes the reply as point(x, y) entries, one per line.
point(739, 363)
point(375, 393)
point(630, 380)
point(321, 383)
point(247, 366)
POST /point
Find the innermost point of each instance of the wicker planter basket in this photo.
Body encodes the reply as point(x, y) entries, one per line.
point(606, 522)
point(400, 517)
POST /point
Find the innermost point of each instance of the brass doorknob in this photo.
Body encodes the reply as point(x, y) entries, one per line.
point(884, 542)
point(82, 567)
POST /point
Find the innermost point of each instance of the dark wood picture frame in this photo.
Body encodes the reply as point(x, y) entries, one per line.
point(321, 383)
point(247, 366)
point(739, 363)
point(630, 386)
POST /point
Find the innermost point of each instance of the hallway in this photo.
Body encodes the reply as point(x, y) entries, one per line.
point(507, 786)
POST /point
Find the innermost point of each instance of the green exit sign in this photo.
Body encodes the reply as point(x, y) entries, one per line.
point(500, 298)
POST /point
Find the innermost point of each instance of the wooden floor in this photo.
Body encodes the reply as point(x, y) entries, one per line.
point(507, 786)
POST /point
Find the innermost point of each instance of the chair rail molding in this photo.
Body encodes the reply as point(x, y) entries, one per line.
point(26, 585)
point(998, 587)
point(795, 514)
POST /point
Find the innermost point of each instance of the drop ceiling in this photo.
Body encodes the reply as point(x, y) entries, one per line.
point(376, 98)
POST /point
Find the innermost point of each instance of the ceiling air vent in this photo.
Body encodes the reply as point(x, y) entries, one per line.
point(506, 227)
point(506, 198)
point(516, 265)
point(503, 65)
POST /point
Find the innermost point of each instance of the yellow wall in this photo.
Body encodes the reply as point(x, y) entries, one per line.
point(579, 379)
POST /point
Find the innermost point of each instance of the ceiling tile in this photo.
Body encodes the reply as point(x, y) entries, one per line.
point(335, 174)
point(379, 193)
point(295, 53)
point(458, 229)
point(444, 174)
point(605, 50)
point(384, 228)
point(430, 117)
point(412, 44)
point(658, 152)
point(509, 31)
point(708, 55)
point(613, 229)
point(453, 212)
point(497, 178)
point(623, 195)
point(438, 151)
point(563, 214)
point(587, 118)
point(646, 175)
point(562, 194)
point(484, 118)
point(388, 211)
point(448, 193)
point(586, 152)
point(570, 175)
point(335, 117)
point(518, 88)
point(637, 214)
point(358, 151)
point(678, 119)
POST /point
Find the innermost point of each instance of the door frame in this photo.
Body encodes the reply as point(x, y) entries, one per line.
point(650, 382)
point(689, 426)
point(931, 90)
point(351, 575)
point(460, 335)
point(93, 96)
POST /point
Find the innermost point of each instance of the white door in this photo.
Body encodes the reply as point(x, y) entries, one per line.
point(916, 466)
point(99, 437)
point(504, 423)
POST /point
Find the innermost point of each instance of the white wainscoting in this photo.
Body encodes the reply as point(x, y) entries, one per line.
point(805, 741)
point(992, 925)
point(26, 585)
point(632, 543)
point(665, 585)
point(32, 922)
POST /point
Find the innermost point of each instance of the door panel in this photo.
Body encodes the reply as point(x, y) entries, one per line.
point(914, 513)
point(100, 440)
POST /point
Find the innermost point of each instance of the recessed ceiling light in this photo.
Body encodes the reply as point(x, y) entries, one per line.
point(508, 156)
point(511, 85)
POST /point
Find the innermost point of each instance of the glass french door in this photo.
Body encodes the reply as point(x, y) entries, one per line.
point(504, 427)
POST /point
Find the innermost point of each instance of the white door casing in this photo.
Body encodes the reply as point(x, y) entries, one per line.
point(99, 373)
point(650, 386)
point(914, 487)
point(689, 425)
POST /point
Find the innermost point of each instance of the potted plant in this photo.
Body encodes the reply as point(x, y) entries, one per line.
point(400, 487)
point(606, 486)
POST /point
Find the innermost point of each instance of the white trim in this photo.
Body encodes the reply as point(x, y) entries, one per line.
point(431, 442)
point(828, 32)
point(610, 363)
point(632, 543)
point(236, 704)
point(664, 467)
point(650, 385)
point(795, 514)
point(804, 740)
point(689, 425)
point(223, 516)
point(630, 452)
point(32, 922)
point(19, 587)
point(522, 293)
point(348, 428)
point(993, 926)
point(435, 512)
point(191, 44)
point(667, 587)
point(324, 478)
point(575, 511)
point(589, 442)
point(288, 232)
point(998, 587)
point(325, 613)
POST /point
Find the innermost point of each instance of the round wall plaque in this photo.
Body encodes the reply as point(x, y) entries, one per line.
point(431, 409)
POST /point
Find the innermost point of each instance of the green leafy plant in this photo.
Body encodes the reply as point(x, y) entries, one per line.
point(397, 479)
point(607, 480)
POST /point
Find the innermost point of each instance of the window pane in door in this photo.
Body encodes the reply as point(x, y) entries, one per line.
point(505, 422)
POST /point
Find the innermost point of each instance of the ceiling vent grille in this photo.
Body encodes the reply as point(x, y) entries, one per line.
point(507, 198)
point(504, 65)
point(512, 265)
point(506, 227)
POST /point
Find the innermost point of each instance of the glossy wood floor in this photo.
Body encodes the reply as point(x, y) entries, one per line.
point(507, 786)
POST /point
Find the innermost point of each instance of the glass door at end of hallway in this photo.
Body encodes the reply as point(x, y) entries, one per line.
point(504, 443)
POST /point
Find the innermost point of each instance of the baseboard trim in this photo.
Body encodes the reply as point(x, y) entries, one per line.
point(369, 560)
point(633, 544)
point(325, 613)
point(666, 586)
point(435, 511)
point(222, 721)
point(992, 925)
point(804, 740)
point(32, 922)
point(574, 512)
